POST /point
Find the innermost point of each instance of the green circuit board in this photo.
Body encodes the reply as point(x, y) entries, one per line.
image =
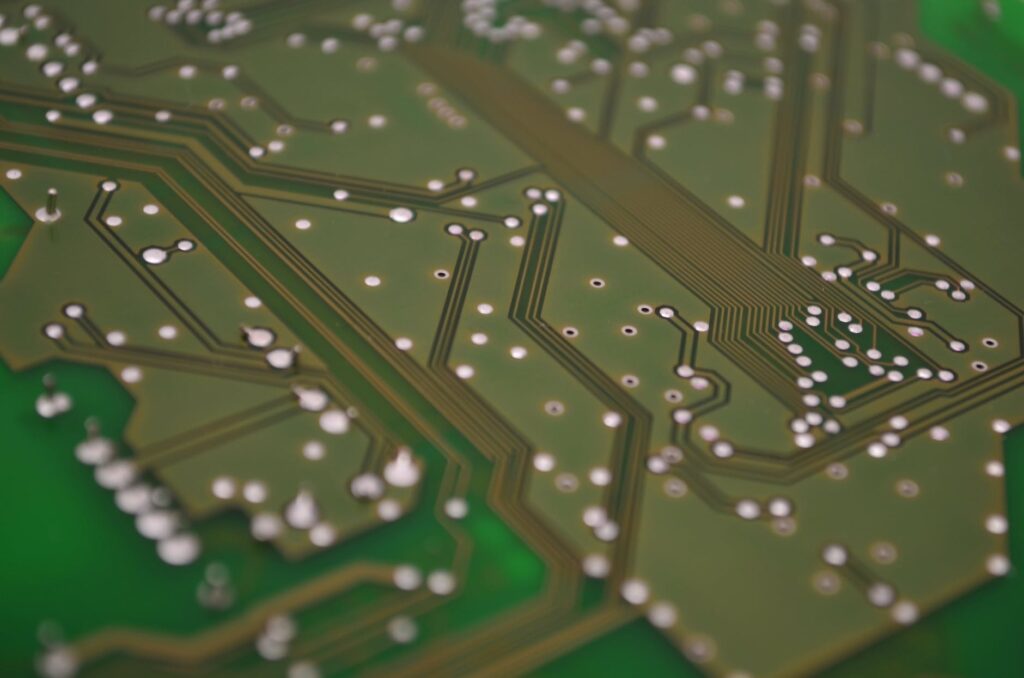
point(511, 337)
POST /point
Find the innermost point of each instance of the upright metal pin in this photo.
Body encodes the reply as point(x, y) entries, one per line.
point(50, 213)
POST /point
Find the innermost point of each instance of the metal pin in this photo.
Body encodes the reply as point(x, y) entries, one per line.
point(51, 212)
point(52, 402)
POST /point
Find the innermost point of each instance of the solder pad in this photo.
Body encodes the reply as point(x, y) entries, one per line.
point(502, 337)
